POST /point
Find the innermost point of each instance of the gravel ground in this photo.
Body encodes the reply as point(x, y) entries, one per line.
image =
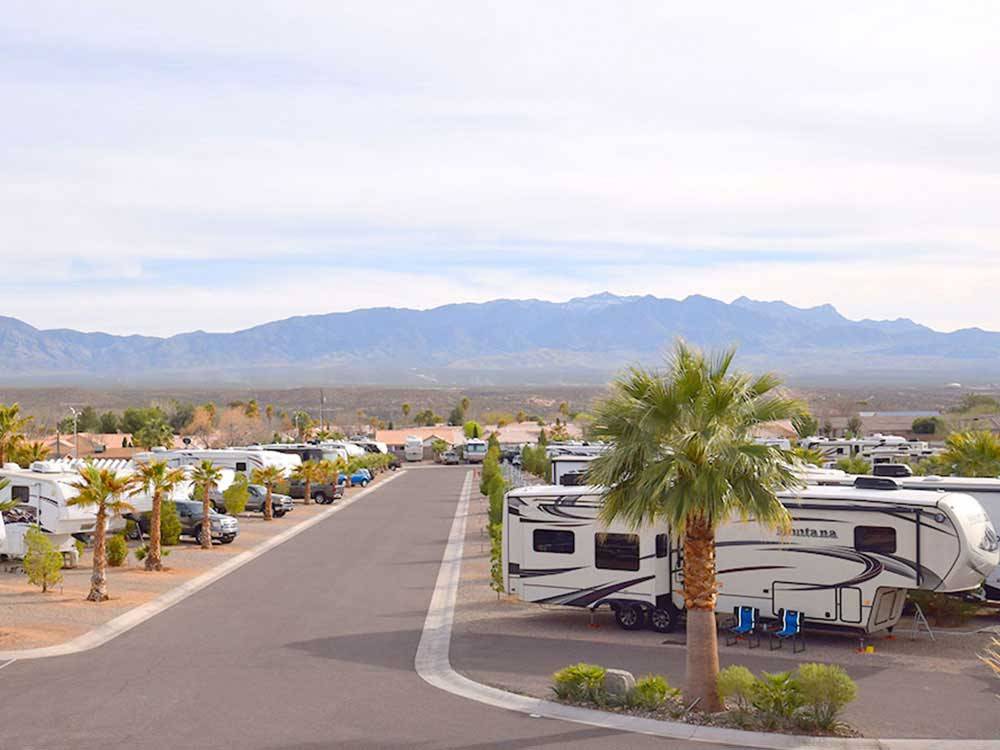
point(517, 646)
point(30, 619)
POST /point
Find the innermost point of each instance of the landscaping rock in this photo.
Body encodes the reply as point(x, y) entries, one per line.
point(618, 683)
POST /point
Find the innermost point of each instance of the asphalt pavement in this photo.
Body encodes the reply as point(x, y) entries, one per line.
point(310, 646)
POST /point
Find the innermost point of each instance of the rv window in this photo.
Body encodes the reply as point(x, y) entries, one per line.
point(616, 551)
point(557, 542)
point(881, 539)
point(21, 494)
point(662, 545)
point(241, 466)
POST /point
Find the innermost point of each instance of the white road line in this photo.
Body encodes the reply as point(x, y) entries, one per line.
point(7, 663)
point(433, 664)
point(128, 620)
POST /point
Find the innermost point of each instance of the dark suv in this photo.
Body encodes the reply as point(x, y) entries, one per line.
point(224, 528)
point(324, 494)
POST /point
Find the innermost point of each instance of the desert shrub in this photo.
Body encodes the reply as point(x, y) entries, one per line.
point(496, 557)
point(142, 552)
point(80, 547)
point(736, 686)
point(943, 610)
point(651, 692)
point(579, 682)
point(42, 561)
point(775, 697)
point(235, 497)
point(825, 690)
point(854, 465)
point(116, 550)
point(170, 524)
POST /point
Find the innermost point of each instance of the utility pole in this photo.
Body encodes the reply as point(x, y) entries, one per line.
point(76, 433)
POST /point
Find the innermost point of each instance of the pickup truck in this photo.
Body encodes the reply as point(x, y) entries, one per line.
point(324, 494)
point(224, 528)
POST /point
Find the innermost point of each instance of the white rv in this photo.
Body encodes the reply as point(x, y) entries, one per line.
point(241, 460)
point(413, 449)
point(474, 450)
point(42, 492)
point(570, 469)
point(985, 490)
point(850, 557)
point(307, 451)
point(875, 448)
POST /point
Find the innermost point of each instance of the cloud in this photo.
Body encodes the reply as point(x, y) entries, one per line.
point(233, 161)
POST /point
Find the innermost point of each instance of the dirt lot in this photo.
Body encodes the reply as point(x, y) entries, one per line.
point(909, 687)
point(30, 619)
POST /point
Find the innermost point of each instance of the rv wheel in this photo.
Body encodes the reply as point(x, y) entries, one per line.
point(630, 616)
point(663, 620)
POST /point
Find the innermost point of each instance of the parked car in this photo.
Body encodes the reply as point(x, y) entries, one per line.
point(224, 528)
point(359, 477)
point(451, 457)
point(324, 494)
point(394, 462)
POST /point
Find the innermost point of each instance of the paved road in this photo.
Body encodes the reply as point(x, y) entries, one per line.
point(310, 646)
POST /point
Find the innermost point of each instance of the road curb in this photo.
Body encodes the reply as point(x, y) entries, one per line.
point(128, 620)
point(433, 664)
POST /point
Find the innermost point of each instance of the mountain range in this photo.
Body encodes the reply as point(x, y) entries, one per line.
point(505, 342)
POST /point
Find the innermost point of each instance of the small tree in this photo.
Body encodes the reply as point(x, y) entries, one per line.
point(170, 524)
point(308, 472)
point(206, 476)
point(237, 494)
point(924, 425)
point(472, 430)
point(42, 561)
point(270, 477)
point(805, 425)
point(439, 446)
point(854, 425)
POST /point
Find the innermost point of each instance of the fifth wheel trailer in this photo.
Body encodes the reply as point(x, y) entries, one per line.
point(848, 561)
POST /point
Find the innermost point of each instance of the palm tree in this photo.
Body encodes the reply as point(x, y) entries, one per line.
point(12, 426)
point(684, 454)
point(308, 472)
point(269, 413)
point(160, 480)
point(465, 404)
point(971, 454)
point(105, 489)
point(270, 477)
point(406, 411)
point(26, 454)
point(205, 477)
point(210, 410)
point(252, 409)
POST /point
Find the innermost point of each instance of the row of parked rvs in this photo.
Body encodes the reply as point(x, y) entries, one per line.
point(42, 490)
point(856, 545)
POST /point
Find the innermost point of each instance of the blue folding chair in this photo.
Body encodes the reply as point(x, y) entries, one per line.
point(744, 626)
point(789, 627)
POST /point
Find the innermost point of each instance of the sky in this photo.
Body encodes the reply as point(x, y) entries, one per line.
point(178, 166)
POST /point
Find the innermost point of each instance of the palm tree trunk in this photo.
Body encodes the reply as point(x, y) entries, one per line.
point(308, 497)
point(206, 522)
point(268, 508)
point(699, 598)
point(98, 578)
point(153, 556)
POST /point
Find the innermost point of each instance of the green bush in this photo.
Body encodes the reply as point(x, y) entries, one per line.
point(496, 493)
point(496, 557)
point(116, 550)
point(80, 547)
point(775, 697)
point(944, 610)
point(651, 692)
point(854, 465)
point(535, 461)
point(580, 682)
point(170, 524)
point(235, 497)
point(42, 561)
point(825, 690)
point(735, 685)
